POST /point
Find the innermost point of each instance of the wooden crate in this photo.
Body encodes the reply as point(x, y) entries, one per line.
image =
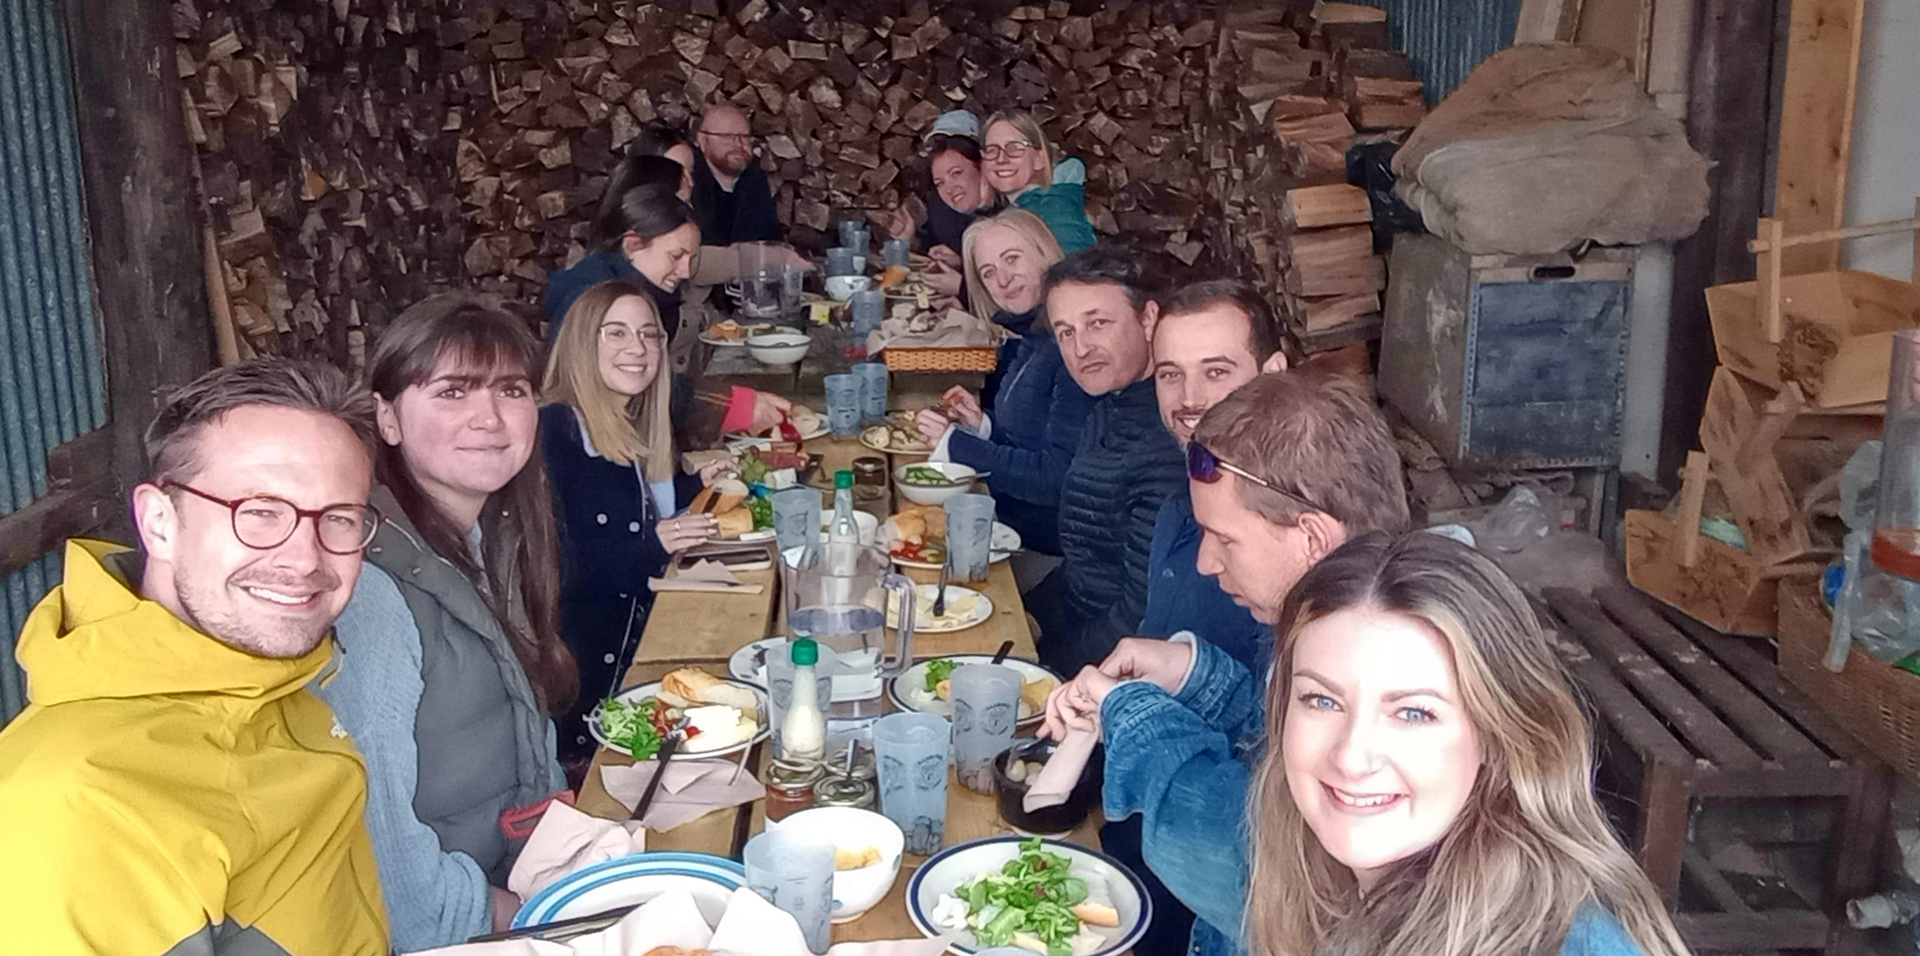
point(1872, 699)
point(1838, 336)
point(1685, 714)
point(1725, 588)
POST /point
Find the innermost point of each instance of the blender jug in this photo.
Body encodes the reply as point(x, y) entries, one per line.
point(837, 595)
point(1896, 532)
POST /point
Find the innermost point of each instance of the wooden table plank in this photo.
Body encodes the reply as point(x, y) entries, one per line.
point(1677, 706)
point(1720, 689)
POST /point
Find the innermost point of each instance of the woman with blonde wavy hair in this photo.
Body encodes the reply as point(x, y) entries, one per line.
point(1430, 791)
point(611, 404)
point(1026, 434)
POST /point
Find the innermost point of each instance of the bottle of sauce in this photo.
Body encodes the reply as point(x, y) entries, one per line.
point(843, 533)
point(803, 730)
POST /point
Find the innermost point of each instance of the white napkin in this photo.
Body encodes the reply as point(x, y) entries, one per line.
point(1062, 771)
point(704, 575)
point(566, 840)
point(752, 926)
point(691, 789)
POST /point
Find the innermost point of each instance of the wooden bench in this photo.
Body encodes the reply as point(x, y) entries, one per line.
point(1693, 715)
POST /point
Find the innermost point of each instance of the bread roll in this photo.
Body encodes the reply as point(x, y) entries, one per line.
point(1034, 693)
point(719, 498)
point(734, 523)
point(702, 687)
point(912, 528)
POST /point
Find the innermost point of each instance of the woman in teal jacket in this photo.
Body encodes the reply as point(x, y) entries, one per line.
point(1019, 166)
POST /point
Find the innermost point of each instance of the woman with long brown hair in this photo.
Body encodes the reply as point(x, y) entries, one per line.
point(1427, 788)
point(453, 664)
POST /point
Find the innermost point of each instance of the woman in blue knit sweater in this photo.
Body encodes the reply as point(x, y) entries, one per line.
point(1028, 440)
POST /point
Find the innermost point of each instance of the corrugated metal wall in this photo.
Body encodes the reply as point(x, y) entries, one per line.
point(51, 383)
point(1448, 38)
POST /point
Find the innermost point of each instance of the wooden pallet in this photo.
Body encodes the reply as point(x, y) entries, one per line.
point(1697, 715)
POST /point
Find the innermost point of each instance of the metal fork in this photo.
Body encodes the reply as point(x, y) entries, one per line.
point(940, 594)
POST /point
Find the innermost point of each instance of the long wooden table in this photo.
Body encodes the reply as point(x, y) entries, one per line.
point(703, 630)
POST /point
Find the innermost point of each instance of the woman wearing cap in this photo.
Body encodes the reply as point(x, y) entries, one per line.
point(960, 193)
point(1019, 166)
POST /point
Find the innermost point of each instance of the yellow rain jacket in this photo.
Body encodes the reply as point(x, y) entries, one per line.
point(167, 794)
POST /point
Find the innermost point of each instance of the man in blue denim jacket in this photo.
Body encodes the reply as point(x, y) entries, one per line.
point(1281, 472)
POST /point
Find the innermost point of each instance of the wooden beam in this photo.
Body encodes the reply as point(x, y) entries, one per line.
point(143, 217)
point(1727, 99)
point(1545, 21)
point(1816, 126)
point(79, 499)
point(1693, 496)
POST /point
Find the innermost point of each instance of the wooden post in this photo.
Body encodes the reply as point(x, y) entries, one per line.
point(143, 217)
point(1693, 497)
point(1816, 126)
point(1768, 269)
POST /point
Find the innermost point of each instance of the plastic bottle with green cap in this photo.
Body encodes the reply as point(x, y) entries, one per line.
point(843, 533)
point(803, 729)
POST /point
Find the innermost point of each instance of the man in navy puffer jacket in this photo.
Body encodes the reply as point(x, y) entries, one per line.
point(1100, 304)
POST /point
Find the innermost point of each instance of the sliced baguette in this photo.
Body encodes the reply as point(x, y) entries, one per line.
point(1097, 909)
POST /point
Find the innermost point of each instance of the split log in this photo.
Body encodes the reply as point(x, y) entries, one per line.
point(1337, 204)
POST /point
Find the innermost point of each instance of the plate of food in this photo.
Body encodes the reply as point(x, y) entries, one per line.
point(916, 537)
point(723, 716)
point(727, 333)
point(1047, 896)
point(899, 436)
point(742, 515)
point(923, 687)
point(807, 425)
point(632, 880)
point(965, 608)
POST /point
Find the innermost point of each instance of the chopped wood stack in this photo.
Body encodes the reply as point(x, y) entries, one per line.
point(359, 154)
point(1298, 85)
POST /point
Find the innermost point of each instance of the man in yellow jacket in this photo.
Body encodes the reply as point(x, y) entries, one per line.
point(173, 787)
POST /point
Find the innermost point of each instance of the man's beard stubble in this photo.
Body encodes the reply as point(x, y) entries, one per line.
point(278, 640)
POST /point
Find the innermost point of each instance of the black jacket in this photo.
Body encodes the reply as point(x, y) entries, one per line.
point(945, 225)
point(608, 550)
point(744, 215)
point(566, 285)
point(1126, 467)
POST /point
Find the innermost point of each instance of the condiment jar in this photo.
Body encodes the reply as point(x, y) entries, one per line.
point(833, 791)
point(862, 769)
point(790, 786)
point(870, 470)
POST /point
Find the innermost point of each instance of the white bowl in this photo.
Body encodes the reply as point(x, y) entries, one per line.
point(779, 348)
point(868, 524)
point(843, 287)
point(934, 494)
point(850, 828)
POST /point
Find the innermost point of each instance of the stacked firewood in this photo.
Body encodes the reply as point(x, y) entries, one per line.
point(1296, 86)
point(358, 154)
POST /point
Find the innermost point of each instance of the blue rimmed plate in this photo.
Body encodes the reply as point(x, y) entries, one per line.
point(632, 880)
point(957, 864)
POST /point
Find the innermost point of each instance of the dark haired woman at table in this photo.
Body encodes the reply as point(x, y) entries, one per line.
point(960, 194)
point(452, 663)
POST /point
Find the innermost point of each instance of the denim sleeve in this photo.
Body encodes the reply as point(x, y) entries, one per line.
point(1031, 474)
point(1183, 777)
point(434, 898)
point(1223, 694)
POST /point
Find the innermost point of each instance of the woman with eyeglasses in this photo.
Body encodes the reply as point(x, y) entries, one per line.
point(1019, 166)
point(608, 433)
point(452, 666)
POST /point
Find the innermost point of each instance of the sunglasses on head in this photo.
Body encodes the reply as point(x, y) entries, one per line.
point(1206, 468)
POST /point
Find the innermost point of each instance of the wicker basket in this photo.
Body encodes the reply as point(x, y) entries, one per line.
point(1872, 699)
point(983, 358)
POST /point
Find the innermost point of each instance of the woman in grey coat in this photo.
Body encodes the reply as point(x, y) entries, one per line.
point(452, 663)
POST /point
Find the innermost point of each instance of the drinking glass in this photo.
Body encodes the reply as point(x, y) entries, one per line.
point(796, 516)
point(840, 261)
point(843, 404)
point(894, 252)
point(986, 704)
point(793, 284)
point(868, 309)
point(873, 390)
point(855, 235)
point(912, 750)
point(780, 684)
point(794, 872)
point(970, 535)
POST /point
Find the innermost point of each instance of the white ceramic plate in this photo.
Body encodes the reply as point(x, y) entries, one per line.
point(631, 880)
point(956, 865)
point(1004, 541)
point(752, 537)
point(691, 748)
point(880, 444)
point(809, 435)
point(908, 691)
point(749, 665)
point(922, 624)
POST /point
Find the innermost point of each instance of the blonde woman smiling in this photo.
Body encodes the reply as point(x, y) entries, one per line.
point(1019, 165)
point(608, 434)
